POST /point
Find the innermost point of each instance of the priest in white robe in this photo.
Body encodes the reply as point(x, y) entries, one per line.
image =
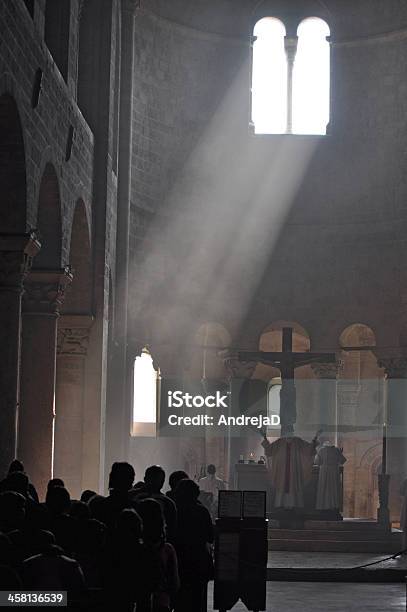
point(291, 468)
point(329, 458)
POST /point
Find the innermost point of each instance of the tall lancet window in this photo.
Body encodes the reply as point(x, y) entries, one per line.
point(269, 77)
point(144, 396)
point(311, 78)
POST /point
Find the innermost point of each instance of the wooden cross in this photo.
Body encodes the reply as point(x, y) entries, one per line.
point(287, 361)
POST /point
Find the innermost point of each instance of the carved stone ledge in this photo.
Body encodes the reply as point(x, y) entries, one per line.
point(394, 367)
point(16, 255)
point(326, 370)
point(73, 334)
point(45, 291)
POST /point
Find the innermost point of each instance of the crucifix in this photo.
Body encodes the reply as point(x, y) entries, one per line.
point(287, 361)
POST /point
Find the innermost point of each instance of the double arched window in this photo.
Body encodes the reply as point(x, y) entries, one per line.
point(290, 77)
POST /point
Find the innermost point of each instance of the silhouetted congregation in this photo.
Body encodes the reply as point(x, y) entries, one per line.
point(136, 547)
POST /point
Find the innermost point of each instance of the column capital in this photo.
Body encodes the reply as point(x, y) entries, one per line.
point(16, 255)
point(45, 291)
point(73, 334)
point(290, 46)
point(326, 370)
point(236, 368)
point(394, 367)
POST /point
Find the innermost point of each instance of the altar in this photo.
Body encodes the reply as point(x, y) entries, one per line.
point(256, 477)
point(251, 477)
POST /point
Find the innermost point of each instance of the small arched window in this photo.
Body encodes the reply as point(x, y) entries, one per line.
point(311, 78)
point(290, 78)
point(269, 78)
point(144, 396)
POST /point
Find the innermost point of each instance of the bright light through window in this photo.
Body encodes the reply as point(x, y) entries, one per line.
point(269, 81)
point(273, 98)
point(145, 396)
point(273, 403)
point(311, 78)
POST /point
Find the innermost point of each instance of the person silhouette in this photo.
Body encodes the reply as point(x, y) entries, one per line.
point(173, 480)
point(193, 546)
point(162, 555)
point(121, 479)
point(154, 478)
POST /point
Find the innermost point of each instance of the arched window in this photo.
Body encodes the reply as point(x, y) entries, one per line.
point(311, 78)
point(144, 396)
point(290, 78)
point(269, 78)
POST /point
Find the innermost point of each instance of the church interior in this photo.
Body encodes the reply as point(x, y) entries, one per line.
point(211, 196)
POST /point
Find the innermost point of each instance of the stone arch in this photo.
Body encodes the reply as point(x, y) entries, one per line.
point(13, 182)
point(79, 296)
point(367, 473)
point(49, 223)
point(291, 16)
point(357, 335)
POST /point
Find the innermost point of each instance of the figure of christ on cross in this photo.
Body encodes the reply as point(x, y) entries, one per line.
point(287, 361)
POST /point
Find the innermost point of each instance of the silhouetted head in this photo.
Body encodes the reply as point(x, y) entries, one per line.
point(129, 524)
point(92, 536)
point(153, 520)
point(211, 469)
point(58, 500)
point(87, 495)
point(97, 507)
point(12, 510)
point(154, 478)
point(175, 478)
point(121, 476)
point(55, 482)
point(187, 492)
point(79, 510)
point(18, 482)
point(16, 466)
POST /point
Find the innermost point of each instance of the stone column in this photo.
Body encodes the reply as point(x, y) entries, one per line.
point(16, 254)
point(45, 290)
point(239, 372)
point(328, 413)
point(118, 410)
point(395, 417)
point(290, 45)
point(72, 347)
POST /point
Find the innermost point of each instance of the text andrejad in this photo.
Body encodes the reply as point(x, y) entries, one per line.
point(206, 420)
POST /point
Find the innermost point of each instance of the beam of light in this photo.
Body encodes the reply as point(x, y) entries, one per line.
point(311, 78)
point(145, 396)
point(213, 239)
point(269, 78)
